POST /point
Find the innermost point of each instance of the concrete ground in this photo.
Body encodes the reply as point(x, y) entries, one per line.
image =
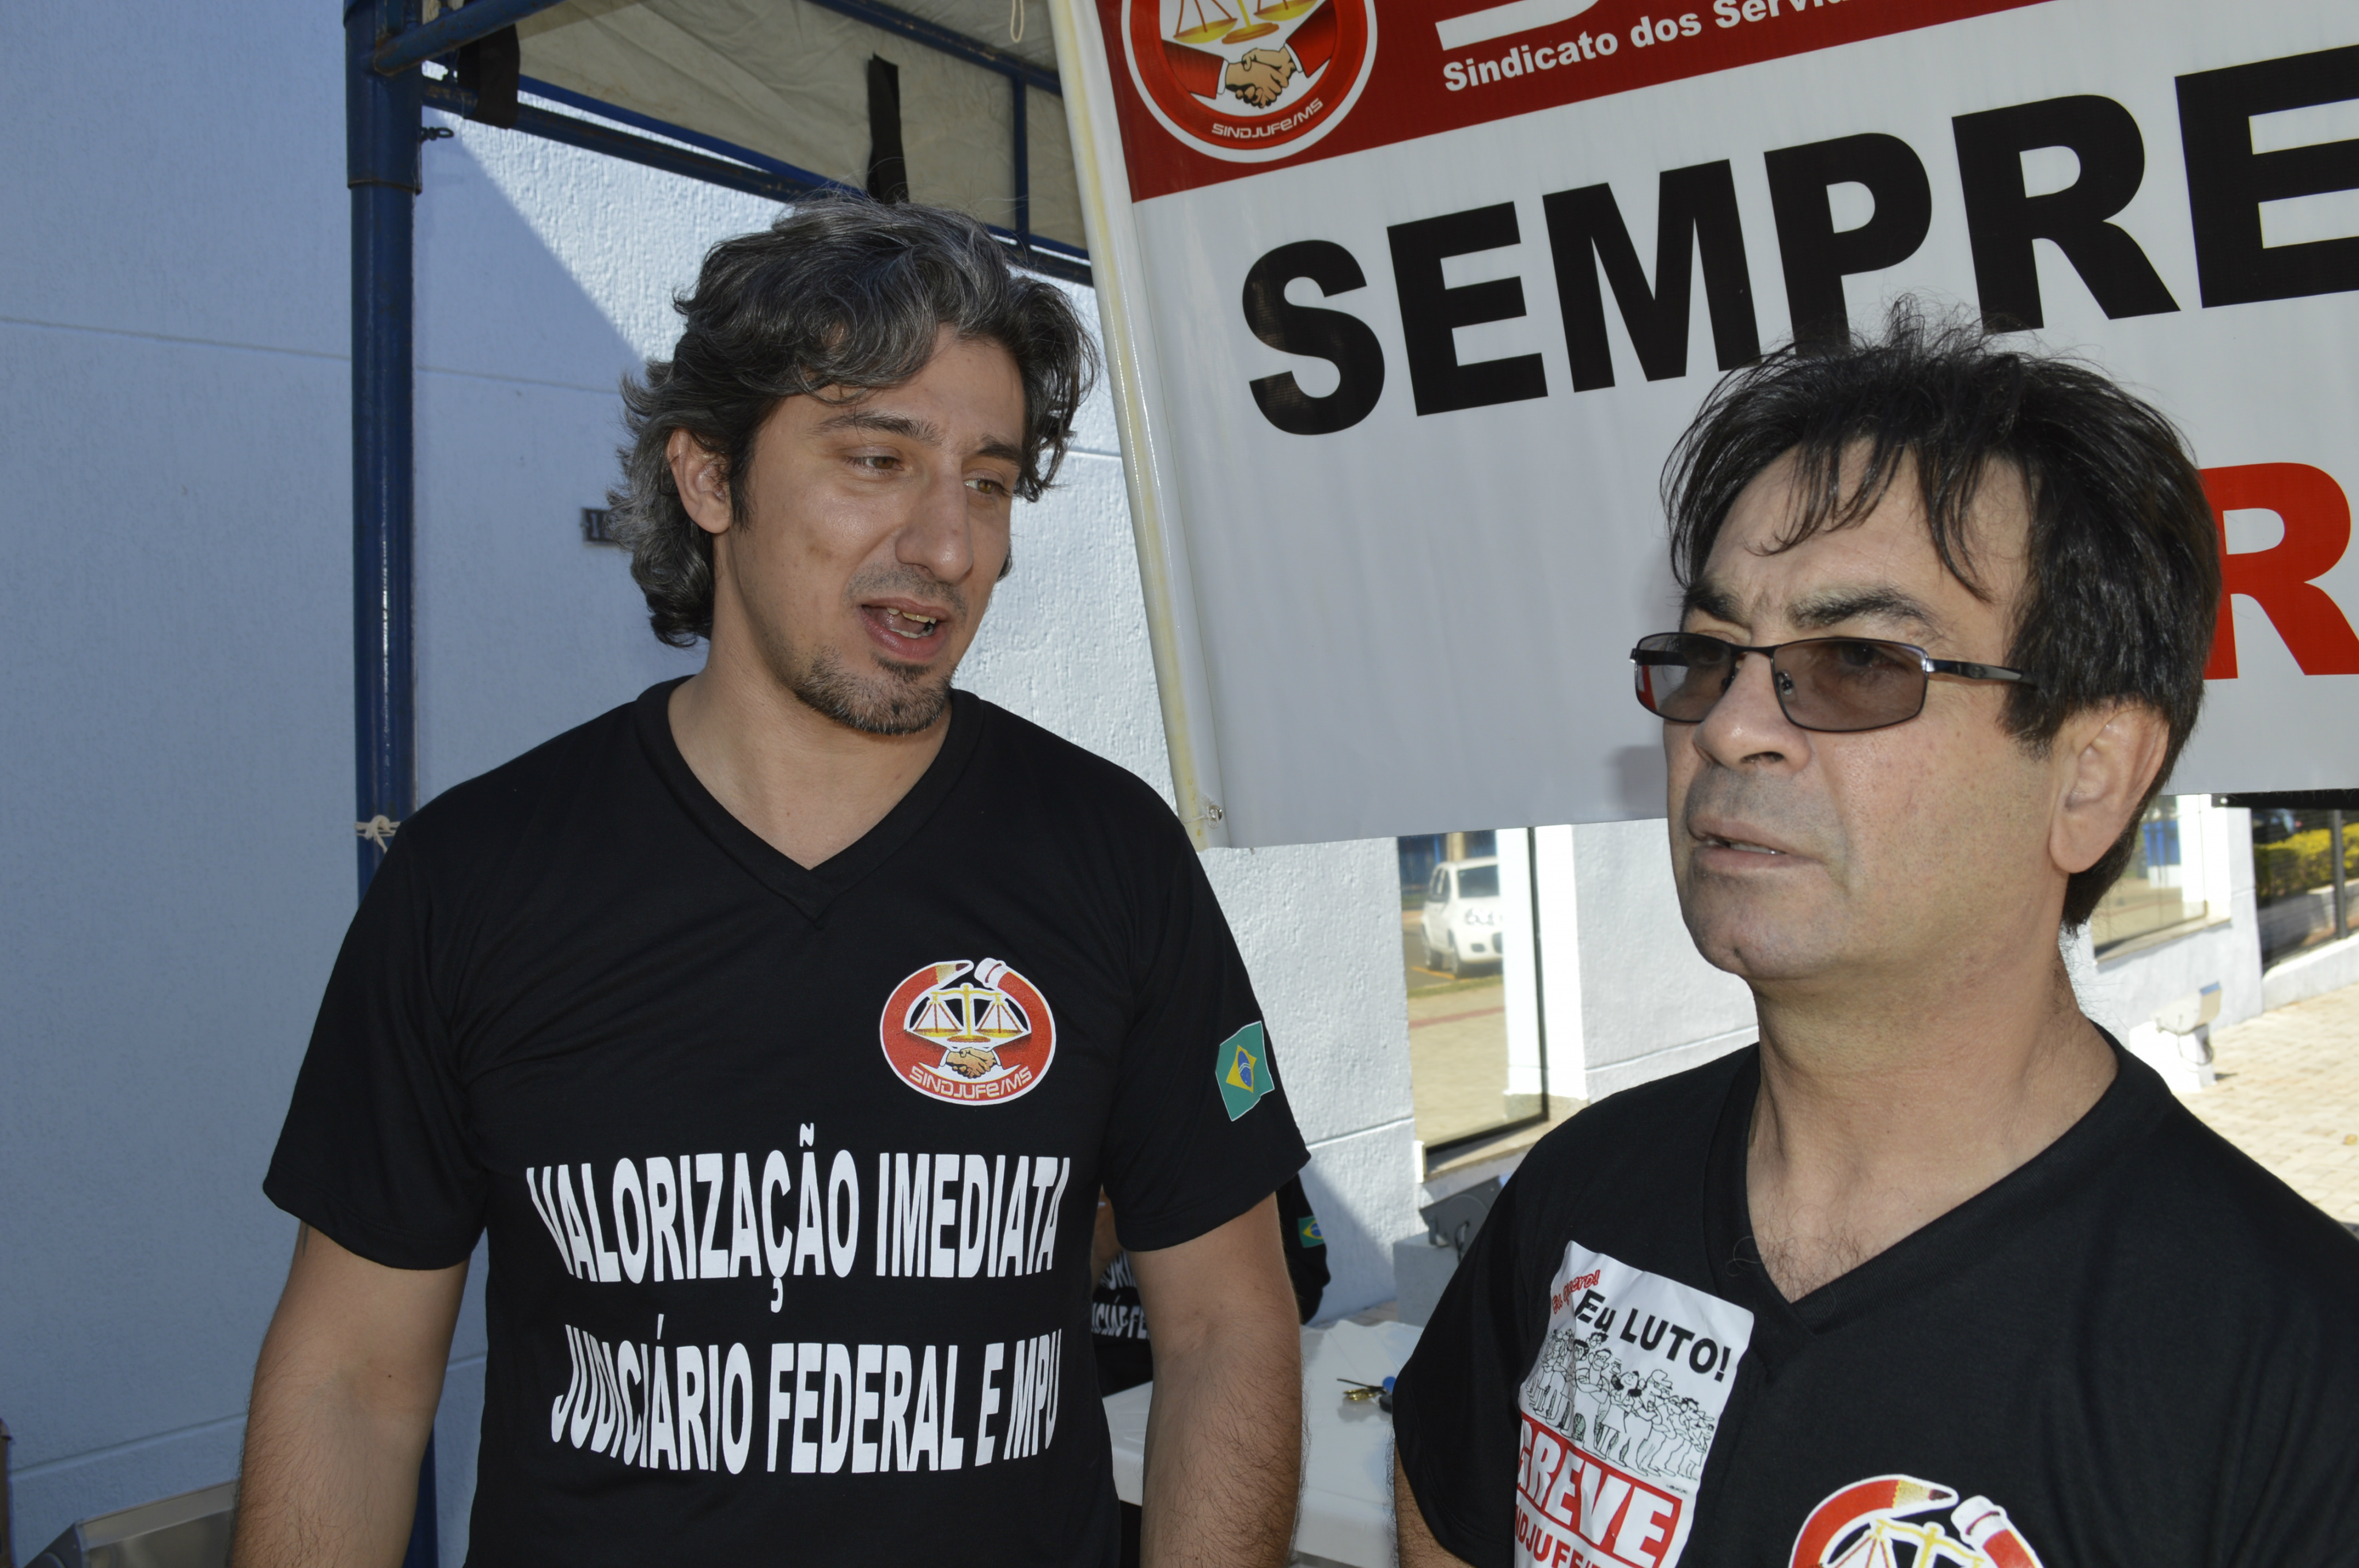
point(1457, 1043)
point(1458, 1059)
point(2288, 1095)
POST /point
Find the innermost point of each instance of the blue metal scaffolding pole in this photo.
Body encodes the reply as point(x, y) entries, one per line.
point(381, 122)
point(381, 135)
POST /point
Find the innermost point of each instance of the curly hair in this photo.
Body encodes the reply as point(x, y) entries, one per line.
point(2122, 589)
point(841, 292)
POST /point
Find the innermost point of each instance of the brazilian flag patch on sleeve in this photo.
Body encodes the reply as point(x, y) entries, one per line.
point(1242, 1069)
point(1307, 1231)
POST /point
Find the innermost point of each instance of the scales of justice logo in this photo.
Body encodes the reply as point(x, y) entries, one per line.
point(1901, 1521)
point(972, 1033)
point(1251, 84)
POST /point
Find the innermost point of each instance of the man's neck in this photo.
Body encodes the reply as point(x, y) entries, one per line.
point(1879, 1114)
point(810, 786)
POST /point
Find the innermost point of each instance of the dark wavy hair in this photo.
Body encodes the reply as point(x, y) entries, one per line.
point(2122, 586)
point(841, 292)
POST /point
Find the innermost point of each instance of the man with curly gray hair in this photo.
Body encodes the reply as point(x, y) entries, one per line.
point(909, 980)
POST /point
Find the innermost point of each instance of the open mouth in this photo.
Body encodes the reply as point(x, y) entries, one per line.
point(907, 633)
point(910, 624)
point(1714, 840)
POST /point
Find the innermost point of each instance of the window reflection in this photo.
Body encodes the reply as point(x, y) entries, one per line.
point(1462, 915)
point(2155, 893)
point(2301, 900)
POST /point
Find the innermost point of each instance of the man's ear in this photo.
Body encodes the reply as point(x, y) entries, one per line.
point(2107, 757)
point(702, 480)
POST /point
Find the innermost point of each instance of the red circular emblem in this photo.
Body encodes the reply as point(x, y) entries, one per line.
point(1248, 82)
point(1869, 1522)
point(967, 1033)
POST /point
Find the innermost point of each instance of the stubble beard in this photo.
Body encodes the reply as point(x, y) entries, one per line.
point(895, 701)
point(892, 699)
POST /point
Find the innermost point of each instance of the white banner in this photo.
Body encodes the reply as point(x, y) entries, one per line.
point(1406, 311)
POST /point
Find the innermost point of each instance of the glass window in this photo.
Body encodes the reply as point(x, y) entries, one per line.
point(2153, 893)
point(1458, 938)
point(2293, 878)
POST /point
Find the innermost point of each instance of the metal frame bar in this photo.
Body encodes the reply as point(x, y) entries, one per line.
point(382, 125)
point(381, 135)
point(731, 151)
point(934, 35)
point(736, 153)
point(733, 167)
point(403, 49)
point(1022, 137)
point(414, 46)
point(778, 182)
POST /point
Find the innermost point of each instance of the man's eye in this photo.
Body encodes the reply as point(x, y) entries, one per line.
point(987, 485)
point(877, 461)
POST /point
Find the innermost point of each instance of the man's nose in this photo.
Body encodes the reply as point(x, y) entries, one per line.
point(1747, 725)
point(937, 535)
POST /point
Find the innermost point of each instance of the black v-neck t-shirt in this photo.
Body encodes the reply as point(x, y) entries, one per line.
point(789, 1172)
point(2137, 1348)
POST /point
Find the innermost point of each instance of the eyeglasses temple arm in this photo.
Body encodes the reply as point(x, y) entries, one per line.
point(1975, 672)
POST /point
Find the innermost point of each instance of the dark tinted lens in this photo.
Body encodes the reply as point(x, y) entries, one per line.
point(1844, 682)
point(1681, 675)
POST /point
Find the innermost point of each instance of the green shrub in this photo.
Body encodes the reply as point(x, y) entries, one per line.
point(2299, 862)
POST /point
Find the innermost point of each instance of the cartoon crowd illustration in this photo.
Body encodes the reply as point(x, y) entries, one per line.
point(1635, 1419)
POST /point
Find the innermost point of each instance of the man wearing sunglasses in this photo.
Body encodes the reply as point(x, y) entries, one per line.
point(1934, 1274)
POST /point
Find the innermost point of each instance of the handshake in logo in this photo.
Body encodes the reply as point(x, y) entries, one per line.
point(970, 1061)
point(1258, 76)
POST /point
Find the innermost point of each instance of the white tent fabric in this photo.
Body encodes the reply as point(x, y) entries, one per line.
point(790, 79)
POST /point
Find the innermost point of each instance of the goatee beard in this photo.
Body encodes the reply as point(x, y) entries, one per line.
point(896, 702)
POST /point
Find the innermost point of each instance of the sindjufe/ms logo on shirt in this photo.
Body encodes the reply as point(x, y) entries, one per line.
point(1249, 81)
point(967, 1033)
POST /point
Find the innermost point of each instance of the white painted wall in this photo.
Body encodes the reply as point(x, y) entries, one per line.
point(175, 836)
point(1628, 999)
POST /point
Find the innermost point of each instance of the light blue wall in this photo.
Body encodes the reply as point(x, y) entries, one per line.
point(175, 848)
point(175, 815)
point(175, 841)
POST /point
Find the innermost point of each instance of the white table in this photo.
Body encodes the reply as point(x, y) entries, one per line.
point(1347, 1464)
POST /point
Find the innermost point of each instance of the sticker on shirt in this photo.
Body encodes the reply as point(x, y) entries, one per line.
point(1890, 1519)
point(969, 1034)
point(1618, 1412)
point(1241, 1066)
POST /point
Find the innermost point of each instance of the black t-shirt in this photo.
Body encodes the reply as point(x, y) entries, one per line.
point(2137, 1348)
point(1118, 1320)
point(789, 1174)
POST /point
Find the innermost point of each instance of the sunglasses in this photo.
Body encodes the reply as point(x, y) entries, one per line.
point(1834, 684)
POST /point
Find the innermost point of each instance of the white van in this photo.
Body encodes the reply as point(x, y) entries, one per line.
point(1461, 915)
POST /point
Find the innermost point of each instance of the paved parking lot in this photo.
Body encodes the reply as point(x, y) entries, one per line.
point(2288, 1095)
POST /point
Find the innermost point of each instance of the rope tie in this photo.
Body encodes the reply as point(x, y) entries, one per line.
point(378, 830)
point(1015, 21)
